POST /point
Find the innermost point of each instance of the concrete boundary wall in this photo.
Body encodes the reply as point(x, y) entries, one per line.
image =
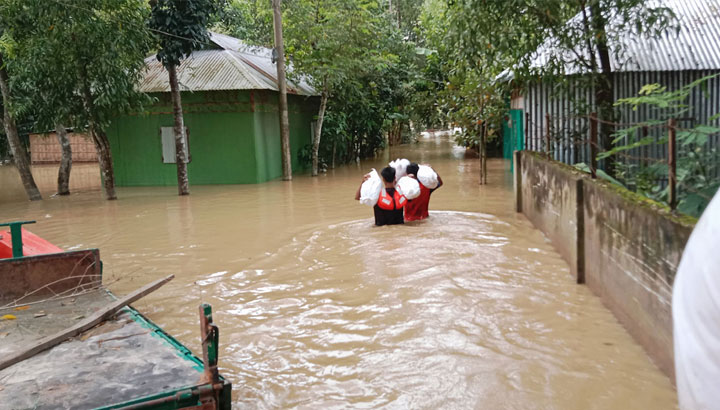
point(625, 247)
point(550, 196)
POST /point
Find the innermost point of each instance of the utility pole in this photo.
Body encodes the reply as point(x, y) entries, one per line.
point(282, 88)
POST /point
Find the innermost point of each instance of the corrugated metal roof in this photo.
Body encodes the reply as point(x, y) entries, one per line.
point(695, 47)
point(235, 66)
point(260, 58)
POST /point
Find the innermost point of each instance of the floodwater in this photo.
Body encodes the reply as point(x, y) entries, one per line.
point(317, 308)
point(84, 176)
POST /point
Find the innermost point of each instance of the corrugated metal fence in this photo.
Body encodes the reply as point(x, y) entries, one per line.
point(562, 114)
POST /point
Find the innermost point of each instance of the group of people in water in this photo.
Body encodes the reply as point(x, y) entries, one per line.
point(392, 207)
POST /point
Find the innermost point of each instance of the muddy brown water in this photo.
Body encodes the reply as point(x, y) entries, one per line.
point(318, 308)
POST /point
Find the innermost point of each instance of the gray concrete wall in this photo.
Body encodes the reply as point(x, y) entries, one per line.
point(625, 246)
point(549, 197)
point(633, 248)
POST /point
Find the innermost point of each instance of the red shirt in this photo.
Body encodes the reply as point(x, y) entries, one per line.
point(417, 209)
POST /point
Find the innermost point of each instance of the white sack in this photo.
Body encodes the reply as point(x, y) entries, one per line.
point(409, 187)
point(370, 189)
point(400, 166)
point(696, 315)
point(427, 177)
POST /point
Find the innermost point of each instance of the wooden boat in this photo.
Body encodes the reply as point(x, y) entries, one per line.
point(125, 362)
point(29, 244)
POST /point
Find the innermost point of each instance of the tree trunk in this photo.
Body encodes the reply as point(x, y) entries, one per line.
point(484, 153)
point(18, 152)
point(179, 131)
point(102, 145)
point(65, 161)
point(282, 88)
point(481, 129)
point(333, 154)
point(395, 132)
point(604, 85)
point(318, 130)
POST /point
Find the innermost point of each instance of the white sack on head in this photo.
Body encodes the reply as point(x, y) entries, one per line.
point(427, 177)
point(370, 189)
point(409, 187)
point(400, 166)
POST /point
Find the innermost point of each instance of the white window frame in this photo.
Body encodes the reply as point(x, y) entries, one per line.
point(167, 142)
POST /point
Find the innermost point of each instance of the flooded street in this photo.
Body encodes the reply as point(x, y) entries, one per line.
point(317, 308)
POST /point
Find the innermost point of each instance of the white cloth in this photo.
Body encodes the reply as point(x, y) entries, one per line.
point(696, 315)
point(400, 166)
point(409, 187)
point(427, 176)
point(370, 189)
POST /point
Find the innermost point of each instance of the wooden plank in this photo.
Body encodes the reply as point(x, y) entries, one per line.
point(86, 324)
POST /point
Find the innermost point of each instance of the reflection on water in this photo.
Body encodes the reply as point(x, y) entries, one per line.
point(320, 309)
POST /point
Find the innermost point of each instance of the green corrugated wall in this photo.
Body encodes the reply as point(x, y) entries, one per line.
point(234, 138)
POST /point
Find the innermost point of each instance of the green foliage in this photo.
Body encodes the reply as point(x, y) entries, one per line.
point(354, 51)
point(697, 164)
point(249, 20)
point(4, 148)
point(362, 53)
point(182, 27)
point(330, 41)
point(464, 64)
point(51, 43)
point(478, 40)
point(600, 173)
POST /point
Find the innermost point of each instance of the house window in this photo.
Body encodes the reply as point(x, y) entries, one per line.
point(168, 145)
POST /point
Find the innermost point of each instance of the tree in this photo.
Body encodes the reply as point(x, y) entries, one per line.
point(405, 15)
point(19, 155)
point(361, 63)
point(465, 67)
point(182, 28)
point(335, 43)
point(697, 164)
point(43, 98)
point(63, 183)
point(249, 20)
point(83, 58)
point(577, 36)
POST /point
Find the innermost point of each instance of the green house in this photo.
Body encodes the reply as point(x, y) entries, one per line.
point(230, 106)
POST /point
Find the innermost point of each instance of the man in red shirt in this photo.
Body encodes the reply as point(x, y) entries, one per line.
point(417, 209)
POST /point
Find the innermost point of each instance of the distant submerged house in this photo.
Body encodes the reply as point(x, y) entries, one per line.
point(230, 106)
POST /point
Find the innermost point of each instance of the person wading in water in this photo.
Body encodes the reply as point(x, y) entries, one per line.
point(417, 209)
point(389, 208)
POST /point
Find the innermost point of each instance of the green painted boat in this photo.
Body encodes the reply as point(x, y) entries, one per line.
point(126, 362)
